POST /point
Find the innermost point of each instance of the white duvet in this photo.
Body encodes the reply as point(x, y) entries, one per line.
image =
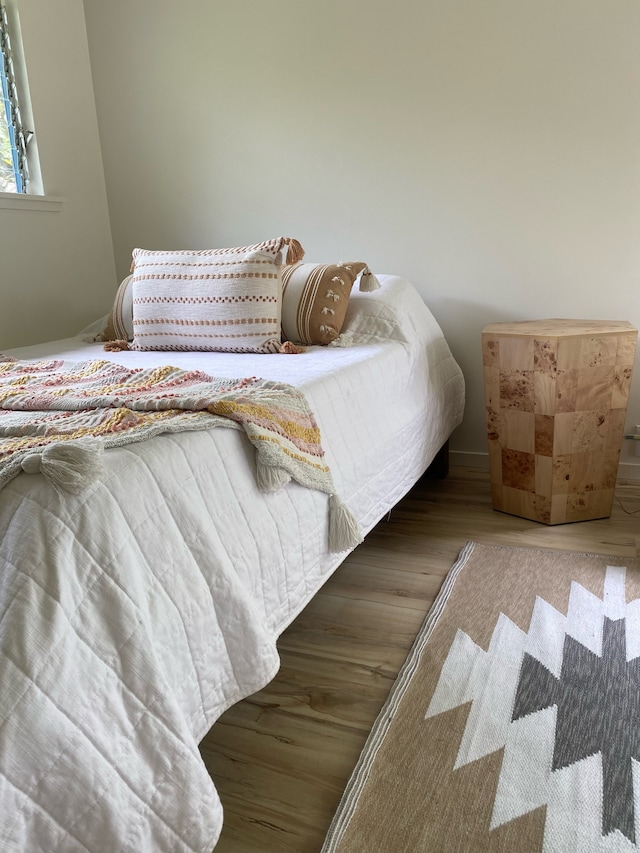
point(134, 614)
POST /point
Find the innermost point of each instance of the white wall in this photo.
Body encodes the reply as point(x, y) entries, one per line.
point(488, 151)
point(57, 270)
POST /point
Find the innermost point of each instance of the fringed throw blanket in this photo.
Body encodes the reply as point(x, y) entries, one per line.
point(57, 416)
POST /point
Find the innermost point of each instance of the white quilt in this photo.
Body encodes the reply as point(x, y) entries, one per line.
point(132, 615)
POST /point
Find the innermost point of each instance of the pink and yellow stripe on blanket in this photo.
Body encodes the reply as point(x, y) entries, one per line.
point(56, 417)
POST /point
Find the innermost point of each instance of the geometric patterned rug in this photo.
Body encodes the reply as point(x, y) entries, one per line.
point(514, 724)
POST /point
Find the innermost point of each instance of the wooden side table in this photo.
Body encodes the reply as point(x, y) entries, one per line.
point(556, 395)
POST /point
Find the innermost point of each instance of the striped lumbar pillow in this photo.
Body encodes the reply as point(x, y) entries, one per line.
point(221, 299)
point(315, 299)
point(120, 320)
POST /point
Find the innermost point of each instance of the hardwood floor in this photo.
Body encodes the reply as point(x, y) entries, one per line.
point(281, 758)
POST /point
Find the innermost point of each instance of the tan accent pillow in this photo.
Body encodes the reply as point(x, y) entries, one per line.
point(213, 300)
point(315, 298)
point(120, 321)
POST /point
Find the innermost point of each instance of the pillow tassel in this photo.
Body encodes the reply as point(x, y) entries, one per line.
point(344, 533)
point(289, 348)
point(116, 346)
point(368, 281)
point(343, 340)
point(69, 466)
point(295, 252)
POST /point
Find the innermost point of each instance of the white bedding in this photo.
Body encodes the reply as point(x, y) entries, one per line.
point(132, 615)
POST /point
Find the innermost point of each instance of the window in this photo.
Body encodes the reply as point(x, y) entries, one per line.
point(14, 139)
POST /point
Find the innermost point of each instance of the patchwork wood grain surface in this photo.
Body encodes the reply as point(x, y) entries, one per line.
point(556, 394)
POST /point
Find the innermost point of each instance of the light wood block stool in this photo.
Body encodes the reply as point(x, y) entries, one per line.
point(556, 395)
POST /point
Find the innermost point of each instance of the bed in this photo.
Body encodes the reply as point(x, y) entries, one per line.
point(133, 613)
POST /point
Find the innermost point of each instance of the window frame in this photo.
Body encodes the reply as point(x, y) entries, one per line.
point(19, 137)
point(33, 198)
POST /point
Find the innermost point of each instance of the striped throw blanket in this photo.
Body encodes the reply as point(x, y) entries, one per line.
point(57, 416)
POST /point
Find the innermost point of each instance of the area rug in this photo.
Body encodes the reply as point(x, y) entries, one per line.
point(514, 725)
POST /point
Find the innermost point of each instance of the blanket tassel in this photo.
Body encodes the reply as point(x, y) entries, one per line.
point(344, 533)
point(69, 466)
point(270, 478)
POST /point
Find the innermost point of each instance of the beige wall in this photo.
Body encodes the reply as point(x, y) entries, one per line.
point(488, 150)
point(57, 269)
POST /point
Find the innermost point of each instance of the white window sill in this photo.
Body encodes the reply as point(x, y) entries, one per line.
point(22, 201)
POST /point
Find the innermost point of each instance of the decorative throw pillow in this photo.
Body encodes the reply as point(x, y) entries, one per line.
point(120, 321)
point(315, 299)
point(220, 299)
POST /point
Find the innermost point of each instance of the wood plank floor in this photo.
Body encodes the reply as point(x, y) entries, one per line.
point(281, 758)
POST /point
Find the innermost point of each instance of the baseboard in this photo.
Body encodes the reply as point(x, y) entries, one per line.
point(464, 459)
point(629, 471)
